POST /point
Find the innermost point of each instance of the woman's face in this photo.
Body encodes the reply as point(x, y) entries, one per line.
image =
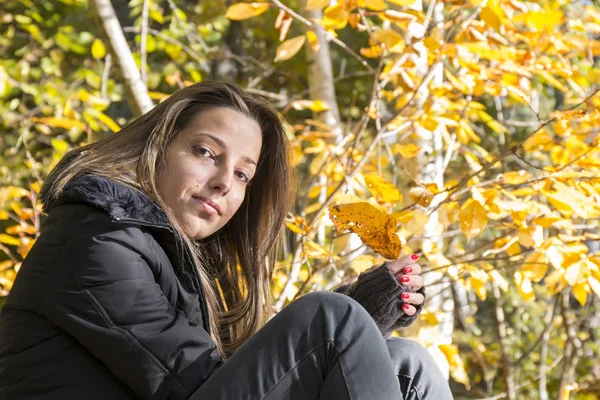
point(207, 169)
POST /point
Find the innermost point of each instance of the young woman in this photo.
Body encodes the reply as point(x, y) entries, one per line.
point(120, 296)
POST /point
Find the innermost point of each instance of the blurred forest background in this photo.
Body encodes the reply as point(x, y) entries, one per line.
point(473, 123)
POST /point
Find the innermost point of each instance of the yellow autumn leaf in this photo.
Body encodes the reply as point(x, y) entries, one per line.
point(532, 236)
point(580, 292)
point(289, 48)
point(539, 20)
point(568, 201)
point(491, 17)
point(473, 218)
point(408, 150)
point(541, 140)
point(294, 228)
point(478, 280)
point(371, 52)
point(383, 191)
point(430, 318)
point(457, 366)
point(515, 177)
point(375, 228)
point(391, 39)
point(63, 123)
point(98, 49)
point(313, 105)
point(421, 195)
point(313, 40)
point(524, 286)
point(314, 250)
point(335, 17)
point(546, 221)
point(316, 4)
point(243, 11)
point(403, 217)
point(465, 133)
point(7, 239)
point(594, 284)
point(108, 121)
point(572, 273)
point(535, 266)
point(549, 78)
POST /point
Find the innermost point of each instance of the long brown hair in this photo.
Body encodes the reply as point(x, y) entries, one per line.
point(239, 258)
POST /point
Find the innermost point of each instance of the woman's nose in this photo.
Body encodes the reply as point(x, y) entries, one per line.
point(222, 180)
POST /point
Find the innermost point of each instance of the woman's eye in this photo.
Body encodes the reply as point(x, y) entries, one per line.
point(243, 177)
point(202, 151)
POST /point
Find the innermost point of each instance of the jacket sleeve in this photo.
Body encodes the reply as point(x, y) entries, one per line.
point(104, 294)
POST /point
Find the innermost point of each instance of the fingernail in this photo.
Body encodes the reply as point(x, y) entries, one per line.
point(408, 270)
point(406, 306)
point(405, 295)
point(405, 279)
point(414, 257)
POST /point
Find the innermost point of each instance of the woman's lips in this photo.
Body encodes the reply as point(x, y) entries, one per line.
point(207, 206)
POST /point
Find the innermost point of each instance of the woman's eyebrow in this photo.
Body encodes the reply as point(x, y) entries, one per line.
point(221, 143)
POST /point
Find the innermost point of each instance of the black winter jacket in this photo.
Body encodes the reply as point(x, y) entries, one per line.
point(103, 307)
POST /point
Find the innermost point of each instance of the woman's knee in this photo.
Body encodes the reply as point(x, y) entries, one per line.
point(415, 367)
point(334, 305)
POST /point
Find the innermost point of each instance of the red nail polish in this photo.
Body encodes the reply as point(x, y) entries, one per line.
point(406, 306)
point(405, 295)
point(414, 257)
point(405, 279)
point(408, 270)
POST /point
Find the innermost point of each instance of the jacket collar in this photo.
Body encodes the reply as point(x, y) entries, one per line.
point(121, 201)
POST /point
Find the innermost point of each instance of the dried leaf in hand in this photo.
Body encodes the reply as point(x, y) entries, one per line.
point(375, 228)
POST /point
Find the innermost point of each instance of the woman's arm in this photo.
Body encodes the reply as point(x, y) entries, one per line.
point(105, 295)
point(379, 292)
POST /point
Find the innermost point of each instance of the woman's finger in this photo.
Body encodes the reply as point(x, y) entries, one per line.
point(398, 265)
point(413, 281)
point(412, 298)
point(408, 309)
point(411, 269)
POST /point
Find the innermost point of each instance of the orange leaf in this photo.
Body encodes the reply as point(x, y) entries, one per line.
point(289, 48)
point(375, 228)
point(243, 11)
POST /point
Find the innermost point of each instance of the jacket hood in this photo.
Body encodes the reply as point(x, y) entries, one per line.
point(119, 200)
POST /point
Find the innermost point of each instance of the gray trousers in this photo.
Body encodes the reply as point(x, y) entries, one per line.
point(325, 345)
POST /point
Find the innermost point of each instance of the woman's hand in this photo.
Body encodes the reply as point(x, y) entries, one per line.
point(408, 274)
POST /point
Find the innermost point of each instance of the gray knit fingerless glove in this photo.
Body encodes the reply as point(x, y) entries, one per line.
point(379, 293)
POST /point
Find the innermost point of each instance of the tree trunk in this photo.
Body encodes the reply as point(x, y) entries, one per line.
point(135, 90)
